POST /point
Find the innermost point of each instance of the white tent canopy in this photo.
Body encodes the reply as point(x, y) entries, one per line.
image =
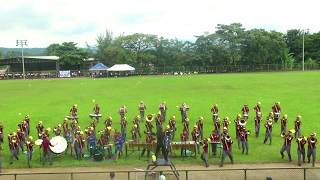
point(121, 67)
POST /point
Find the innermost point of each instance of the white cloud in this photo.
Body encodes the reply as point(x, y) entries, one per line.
point(43, 22)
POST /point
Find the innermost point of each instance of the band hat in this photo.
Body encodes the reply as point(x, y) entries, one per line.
point(313, 134)
point(48, 129)
point(292, 131)
point(168, 127)
point(65, 119)
point(259, 103)
point(59, 125)
point(91, 128)
point(242, 122)
point(299, 117)
point(173, 117)
point(216, 105)
point(187, 119)
point(225, 128)
point(30, 137)
point(141, 102)
point(195, 126)
point(285, 116)
point(201, 118)
point(208, 139)
point(135, 125)
point(226, 118)
point(239, 115)
point(40, 122)
point(81, 132)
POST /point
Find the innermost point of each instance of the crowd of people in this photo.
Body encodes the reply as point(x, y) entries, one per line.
point(156, 132)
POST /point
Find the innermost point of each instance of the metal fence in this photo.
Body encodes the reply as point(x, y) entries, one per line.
point(216, 174)
point(165, 70)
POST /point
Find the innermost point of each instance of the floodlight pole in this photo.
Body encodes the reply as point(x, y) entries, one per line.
point(22, 43)
point(303, 48)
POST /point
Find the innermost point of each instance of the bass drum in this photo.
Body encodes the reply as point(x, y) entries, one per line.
point(59, 144)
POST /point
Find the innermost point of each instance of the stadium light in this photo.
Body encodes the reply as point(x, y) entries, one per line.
point(304, 32)
point(22, 43)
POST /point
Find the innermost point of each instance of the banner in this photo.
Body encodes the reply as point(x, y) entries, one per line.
point(64, 74)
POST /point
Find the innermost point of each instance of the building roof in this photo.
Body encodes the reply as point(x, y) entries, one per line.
point(43, 57)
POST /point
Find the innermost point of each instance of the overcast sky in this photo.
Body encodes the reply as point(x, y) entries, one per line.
point(43, 22)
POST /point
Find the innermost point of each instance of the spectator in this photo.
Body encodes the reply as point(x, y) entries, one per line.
point(112, 176)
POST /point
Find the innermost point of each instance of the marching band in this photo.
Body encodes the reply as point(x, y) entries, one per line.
point(79, 142)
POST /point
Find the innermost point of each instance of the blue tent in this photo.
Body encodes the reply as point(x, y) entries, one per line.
point(98, 67)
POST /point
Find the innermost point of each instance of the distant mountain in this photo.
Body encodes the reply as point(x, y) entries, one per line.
point(27, 51)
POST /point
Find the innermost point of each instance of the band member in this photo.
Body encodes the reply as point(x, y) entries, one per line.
point(297, 127)
point(142, 107)
point(172, 124)
point(301, 141)
point(227, 149)
point(312, 141)
point(40, 129)
point(257, 122)
point(199, 124)
point(217, 124)
point(184, 138)
point(166, 143)
point(186, 125)
point(287, 145)
point(79, 145)
point(195, 135)
point(29, 145)
point(69, 138)
point(74, 112)
point(25, 128)
point(27, 120)
point(158, 118)
point(258, 118)
point(149, 125)
point(123, 124)
point(215, 110)
point(245, 111)
point(1, 134)
point(118, 141)
point(225, 131)
point(135, 133)
point(268, 135)
point(276, 109)
point(204, 155)
point(284, 121)
point(21, 138)
point(270, 116)
point(244, 133)
point(108, 121)
point(46, 150)
point(65, 127)
point(96, 111)
point(215, 140)
point(57, 130)
point(183, 110)
point(258, 110)
point(150, 139)
point(14, 147)
point(163, 109)
point(136, 121)
point(92, 140)
point(161, 142)
point(123, 111)
point(226, 122)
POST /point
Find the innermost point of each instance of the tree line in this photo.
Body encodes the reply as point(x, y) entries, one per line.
point(229, 45)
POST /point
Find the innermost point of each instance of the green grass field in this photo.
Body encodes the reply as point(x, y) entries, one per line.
point(50, 100)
